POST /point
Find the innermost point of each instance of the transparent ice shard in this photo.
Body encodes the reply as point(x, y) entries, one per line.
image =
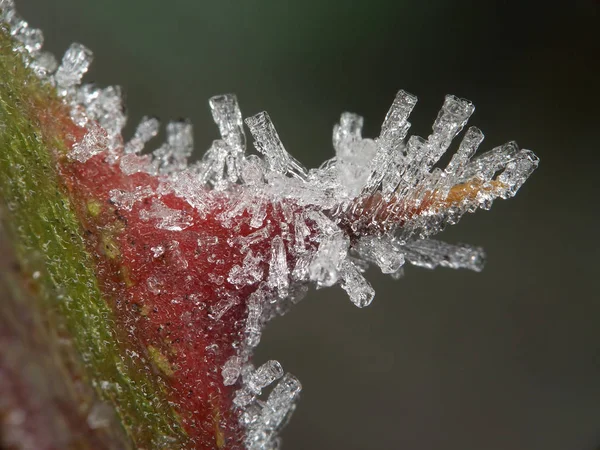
point(146, 130)
point(517, 171)
point(166, 218)
point(301, 233)
point(346, 134)
point(353, 155)
point(267, 142)
point(7, 11)
point(430, 253)
point(395, 125)
point(278, 269)
point(219, 309)
point(487, 164)
point(328, 259)
point(324, 224)
point(212, 166)
point(44, 64)
point(250, 272)
point(356, 286)
point(258, 212)
point(300, 272)
point(248, 241)
point(382, 251)
point(74, 65)
point(104, 106)
point(157, 251)
point(228, 117)
point(94, 142)
point(231, 370)
point(253, 320)
point(468, 146)
point(172, 156)
point(279, 405)
point(264, 376)
point(451, 119)
point(186, 185)
point(255, 381)
point(393, 132)
point(31, 38)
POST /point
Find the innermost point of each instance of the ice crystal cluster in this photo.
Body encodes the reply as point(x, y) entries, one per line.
point(375, 202)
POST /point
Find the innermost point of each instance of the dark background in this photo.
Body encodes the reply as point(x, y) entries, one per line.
point(445, 360)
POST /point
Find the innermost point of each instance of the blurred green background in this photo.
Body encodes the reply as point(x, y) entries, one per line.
point(505, 359)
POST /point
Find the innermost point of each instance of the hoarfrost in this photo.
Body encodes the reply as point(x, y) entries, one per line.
point(146, 130)
point(429, 253)
point(93, 143)
point(221, 307)
point(278, 407)
point(250, 272)
point(278, 269)
point(376, 201)
point(172, 156)
point(358, 288)
point(268, 143)
point(227, 115)
point(166, 218)
point(74, 65)
point(126, 200)
point(231, 370)
point(328, 259)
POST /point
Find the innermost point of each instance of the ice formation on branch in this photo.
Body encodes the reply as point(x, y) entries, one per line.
point(376, 201)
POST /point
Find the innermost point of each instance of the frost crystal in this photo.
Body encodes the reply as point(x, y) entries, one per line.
point(278, 273)
point(173, 155)
point(74, 65)
point(146, 130)
point(376, 201)
point(167, 218)
point(278, 407)
point(430, 254)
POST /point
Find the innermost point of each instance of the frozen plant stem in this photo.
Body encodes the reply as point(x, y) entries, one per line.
point(163, 273)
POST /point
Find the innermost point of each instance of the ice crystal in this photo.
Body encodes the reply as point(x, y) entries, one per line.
point(376, 201)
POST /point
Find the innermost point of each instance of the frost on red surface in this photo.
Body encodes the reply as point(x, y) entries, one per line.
point(168, 282)
point(166, 267)
point(195, 258)
point(169, 289)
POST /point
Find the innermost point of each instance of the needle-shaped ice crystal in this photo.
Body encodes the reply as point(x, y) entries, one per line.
point(172, 156)
point(74, 65)
point(276, 409)
point(94, 142)
point(359, 290)
point(231, 370)
point(166, 218)
point(381, 251)
point(146, 130)
point(268, 143)
point(278, 269)
point(396, 125)
point(328, 259)
point(228, 117)
point(250, 272)
point(430, 253)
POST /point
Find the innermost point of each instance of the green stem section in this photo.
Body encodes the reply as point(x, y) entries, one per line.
point(49, 246)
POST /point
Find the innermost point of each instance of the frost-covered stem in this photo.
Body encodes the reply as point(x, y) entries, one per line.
point(164, 273)
point(57, 271)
